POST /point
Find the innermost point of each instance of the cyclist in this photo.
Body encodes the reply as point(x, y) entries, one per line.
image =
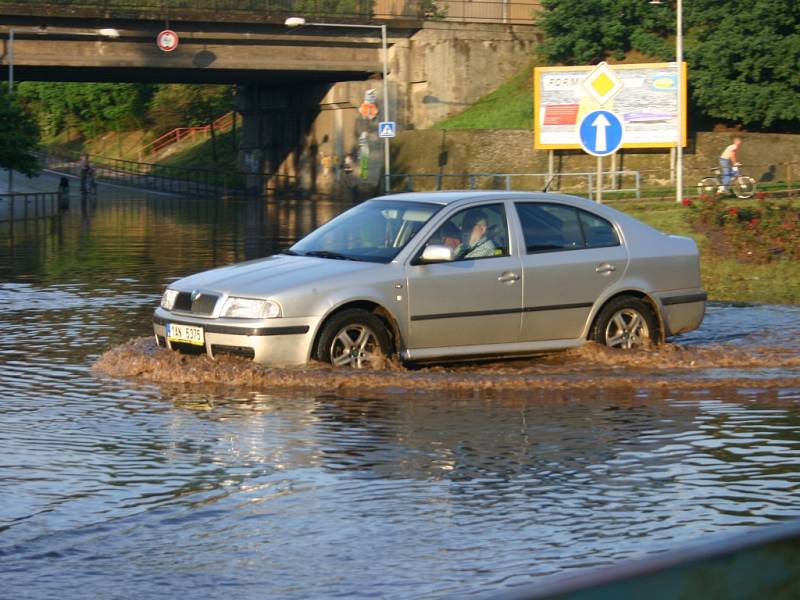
point(728, 164)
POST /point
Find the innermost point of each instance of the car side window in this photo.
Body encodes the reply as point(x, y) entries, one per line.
point(598, 232)
point(475, 232)
point(553, 227)
point(549, 227)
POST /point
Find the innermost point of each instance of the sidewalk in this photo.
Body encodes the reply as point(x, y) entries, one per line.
point(46, 182)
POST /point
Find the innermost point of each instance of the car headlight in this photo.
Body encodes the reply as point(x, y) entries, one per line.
point(249, 308)
point(168, 299)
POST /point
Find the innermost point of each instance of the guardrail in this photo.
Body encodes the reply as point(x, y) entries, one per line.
point(410, 182)
point(176, 180)
point(24, 206)
point(274, 11)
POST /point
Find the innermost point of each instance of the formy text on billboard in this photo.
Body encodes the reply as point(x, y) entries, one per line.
point(643, 96)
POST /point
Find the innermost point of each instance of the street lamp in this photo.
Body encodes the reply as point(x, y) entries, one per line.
point(106, 32)
point(679, 68)
point(300, 21)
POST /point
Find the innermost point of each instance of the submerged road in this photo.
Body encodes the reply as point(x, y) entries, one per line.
point(207, 481)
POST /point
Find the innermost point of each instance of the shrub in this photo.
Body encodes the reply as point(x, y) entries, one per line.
point(761, 233)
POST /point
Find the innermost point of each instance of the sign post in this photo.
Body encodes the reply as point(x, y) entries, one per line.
point(600, 134)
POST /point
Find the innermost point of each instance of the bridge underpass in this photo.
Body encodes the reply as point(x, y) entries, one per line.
point(298, 90)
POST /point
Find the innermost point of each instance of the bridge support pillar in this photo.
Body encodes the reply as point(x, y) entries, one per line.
point(309, 138)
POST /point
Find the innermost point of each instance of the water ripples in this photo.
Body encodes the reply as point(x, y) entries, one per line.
point(120, 487)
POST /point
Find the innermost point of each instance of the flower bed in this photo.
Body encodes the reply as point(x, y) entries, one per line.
point(760, 232)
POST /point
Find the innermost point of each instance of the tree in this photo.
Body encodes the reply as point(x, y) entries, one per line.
point(182, 105)
point(743, 55)
point(588, 31)
point(19, 137)
point(88, 107)
point(744, 62)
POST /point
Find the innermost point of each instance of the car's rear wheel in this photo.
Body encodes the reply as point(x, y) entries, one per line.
point(626, 323)
point(354, 338)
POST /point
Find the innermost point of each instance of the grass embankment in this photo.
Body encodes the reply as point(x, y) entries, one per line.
point(724, 278)
point(508, 107)
point(127, 145)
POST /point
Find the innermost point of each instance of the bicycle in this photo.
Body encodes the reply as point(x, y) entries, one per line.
point(741, 185)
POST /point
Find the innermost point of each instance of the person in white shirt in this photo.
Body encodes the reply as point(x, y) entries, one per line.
point(728, 164)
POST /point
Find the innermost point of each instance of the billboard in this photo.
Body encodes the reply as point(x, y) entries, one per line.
point(643, 96)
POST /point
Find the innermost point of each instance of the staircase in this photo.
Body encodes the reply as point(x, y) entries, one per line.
point(180, 134)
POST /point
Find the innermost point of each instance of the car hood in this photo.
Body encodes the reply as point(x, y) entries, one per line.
point(269, 276)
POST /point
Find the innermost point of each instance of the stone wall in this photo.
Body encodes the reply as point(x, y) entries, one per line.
point(766, 157)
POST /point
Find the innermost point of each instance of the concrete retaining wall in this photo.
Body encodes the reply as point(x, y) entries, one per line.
point(766, 157)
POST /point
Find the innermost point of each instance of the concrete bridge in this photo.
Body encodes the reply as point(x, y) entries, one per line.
point(297, 89)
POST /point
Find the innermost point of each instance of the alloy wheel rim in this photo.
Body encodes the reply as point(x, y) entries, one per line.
point(355, 346)
point(627, 329)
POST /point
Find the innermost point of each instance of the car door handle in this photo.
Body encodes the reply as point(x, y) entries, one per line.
point(605, 269)
point(508, 277)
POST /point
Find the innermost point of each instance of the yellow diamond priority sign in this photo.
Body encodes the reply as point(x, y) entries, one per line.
point(602, 84)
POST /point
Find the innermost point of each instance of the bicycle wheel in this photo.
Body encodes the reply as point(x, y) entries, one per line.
point(744, 187)
point(707, 186)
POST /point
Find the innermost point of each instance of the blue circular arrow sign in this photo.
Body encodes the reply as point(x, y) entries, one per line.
point(600, 133)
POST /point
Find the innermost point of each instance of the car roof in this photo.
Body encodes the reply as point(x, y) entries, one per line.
point(451, 197)
point(465, 196)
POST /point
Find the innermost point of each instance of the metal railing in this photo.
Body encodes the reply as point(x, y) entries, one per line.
point(176, 180)
point(266, 11)
point(179, 134)
point(573, 182)
point(23, 206)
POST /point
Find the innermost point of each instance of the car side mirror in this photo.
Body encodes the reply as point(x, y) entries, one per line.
point(437, 253)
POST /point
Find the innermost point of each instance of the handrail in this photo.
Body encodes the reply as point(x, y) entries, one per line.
point(178, 134)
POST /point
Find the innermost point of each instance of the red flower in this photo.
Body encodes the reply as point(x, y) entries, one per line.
point(686, 202)
point(760, 195)
point(732, 211)
point(754, 221)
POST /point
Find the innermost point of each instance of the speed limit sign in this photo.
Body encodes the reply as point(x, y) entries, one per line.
point(167, 40)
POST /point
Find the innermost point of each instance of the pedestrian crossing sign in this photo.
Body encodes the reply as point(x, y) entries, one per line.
point(386, 129)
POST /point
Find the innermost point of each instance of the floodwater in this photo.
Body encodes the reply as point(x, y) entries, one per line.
point(152, 475)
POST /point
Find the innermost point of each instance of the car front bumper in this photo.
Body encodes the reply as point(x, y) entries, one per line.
point(273, 342)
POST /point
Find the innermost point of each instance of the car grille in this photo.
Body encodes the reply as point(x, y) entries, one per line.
point(203, 305)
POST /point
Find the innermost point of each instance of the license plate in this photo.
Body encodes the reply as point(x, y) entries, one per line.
point(187, 334)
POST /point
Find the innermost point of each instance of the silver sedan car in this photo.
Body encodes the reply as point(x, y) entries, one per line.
point(444, 275)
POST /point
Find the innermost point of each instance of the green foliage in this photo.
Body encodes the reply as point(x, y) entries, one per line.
point(93, 108)
point(88, 107)
point(743, 55)
point(180, 105)
point(19, 137)
point(331, 7)
point(588, 31)
point(744, 64)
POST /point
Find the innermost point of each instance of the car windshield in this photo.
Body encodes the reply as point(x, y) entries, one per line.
point(374, 231)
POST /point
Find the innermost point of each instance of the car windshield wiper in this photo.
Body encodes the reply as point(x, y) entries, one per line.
point(290, 252)
point(329, 254)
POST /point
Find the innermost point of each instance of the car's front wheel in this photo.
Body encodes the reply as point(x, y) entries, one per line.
point(354, 338)
point(626, 323)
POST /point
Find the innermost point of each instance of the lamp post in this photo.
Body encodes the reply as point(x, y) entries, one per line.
point(300, 21)
point(106, 32)
point(680, 108)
